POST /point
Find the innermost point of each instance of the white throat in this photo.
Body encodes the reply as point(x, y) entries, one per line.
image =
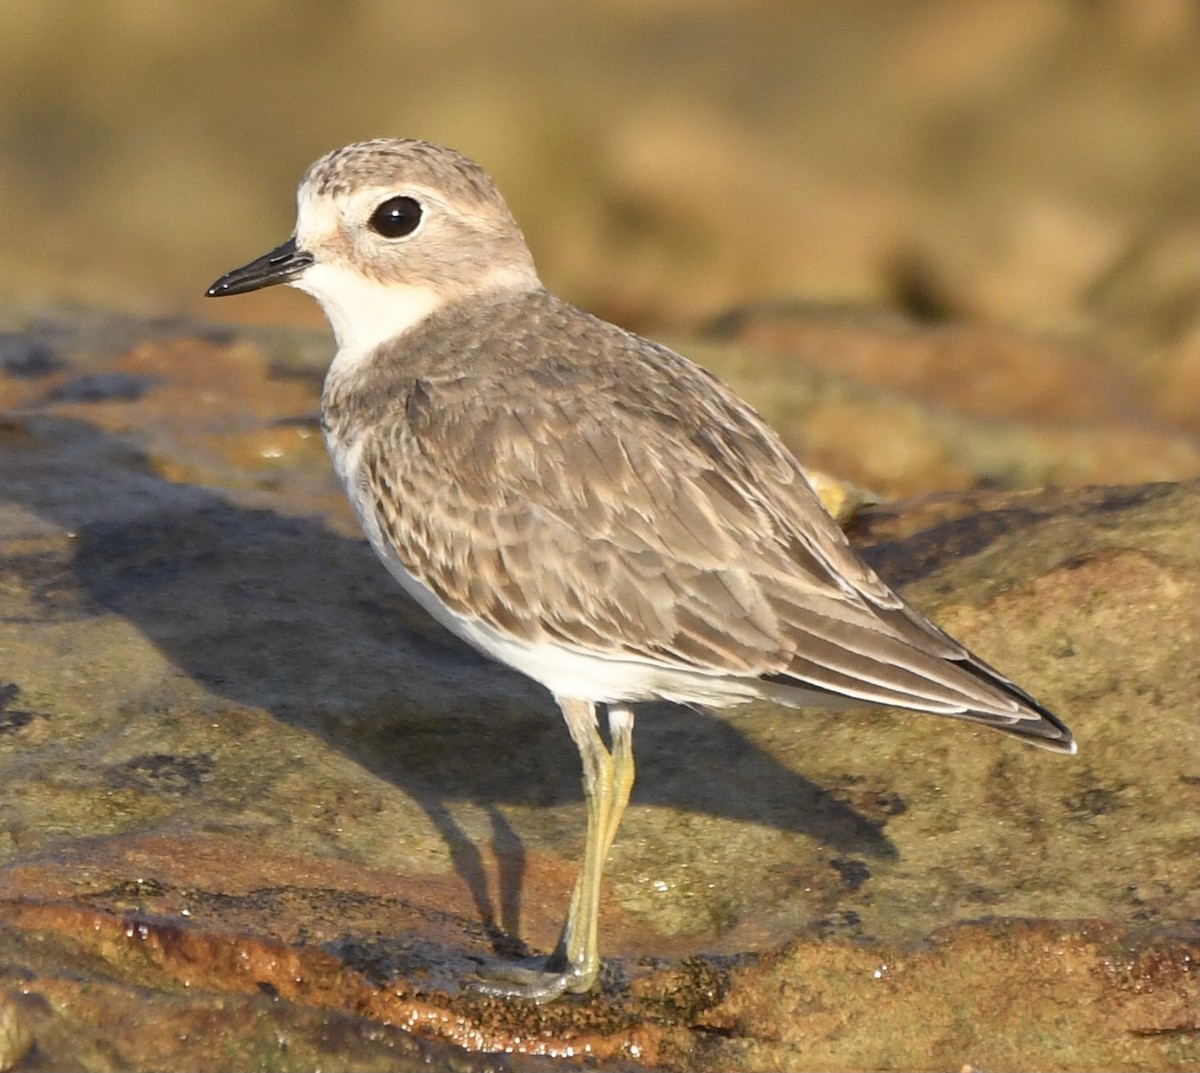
point(364, 312)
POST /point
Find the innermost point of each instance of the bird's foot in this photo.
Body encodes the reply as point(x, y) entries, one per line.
point(533, 982)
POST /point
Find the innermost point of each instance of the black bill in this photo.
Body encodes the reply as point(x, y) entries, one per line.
point(280, 265)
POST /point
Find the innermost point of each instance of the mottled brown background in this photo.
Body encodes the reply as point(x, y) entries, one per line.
point(1019, 162)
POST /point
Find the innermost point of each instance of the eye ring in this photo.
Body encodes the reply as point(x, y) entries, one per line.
point(397, 217)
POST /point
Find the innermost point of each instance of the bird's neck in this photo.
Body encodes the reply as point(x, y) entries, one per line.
point(365, 313)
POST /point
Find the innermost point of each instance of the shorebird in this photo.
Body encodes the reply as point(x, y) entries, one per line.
point(580, 503)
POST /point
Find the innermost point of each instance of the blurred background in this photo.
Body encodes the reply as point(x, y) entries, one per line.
point(1030, 164)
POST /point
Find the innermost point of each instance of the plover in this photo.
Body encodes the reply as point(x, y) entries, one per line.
point(581, 503)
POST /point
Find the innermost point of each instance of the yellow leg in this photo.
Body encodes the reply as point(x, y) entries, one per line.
point(607, 781)
point(620, 725)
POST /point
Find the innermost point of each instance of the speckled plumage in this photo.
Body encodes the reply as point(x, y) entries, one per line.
point(585, 487)
point(581, 503)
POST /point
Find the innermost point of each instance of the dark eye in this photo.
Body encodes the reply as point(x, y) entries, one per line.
point(396, 217)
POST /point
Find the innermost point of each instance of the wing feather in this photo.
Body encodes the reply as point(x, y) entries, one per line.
point(642, 511)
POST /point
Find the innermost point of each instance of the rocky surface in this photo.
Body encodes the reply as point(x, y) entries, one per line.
point(258, 811)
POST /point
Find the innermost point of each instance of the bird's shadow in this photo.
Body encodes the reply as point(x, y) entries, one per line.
point(275, 612)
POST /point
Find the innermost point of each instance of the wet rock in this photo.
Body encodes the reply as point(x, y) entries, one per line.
point(257, 809)
point(27, 358)
point(1091, 997)
point(902, 407)
point(102, 387)
point(981, 372)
